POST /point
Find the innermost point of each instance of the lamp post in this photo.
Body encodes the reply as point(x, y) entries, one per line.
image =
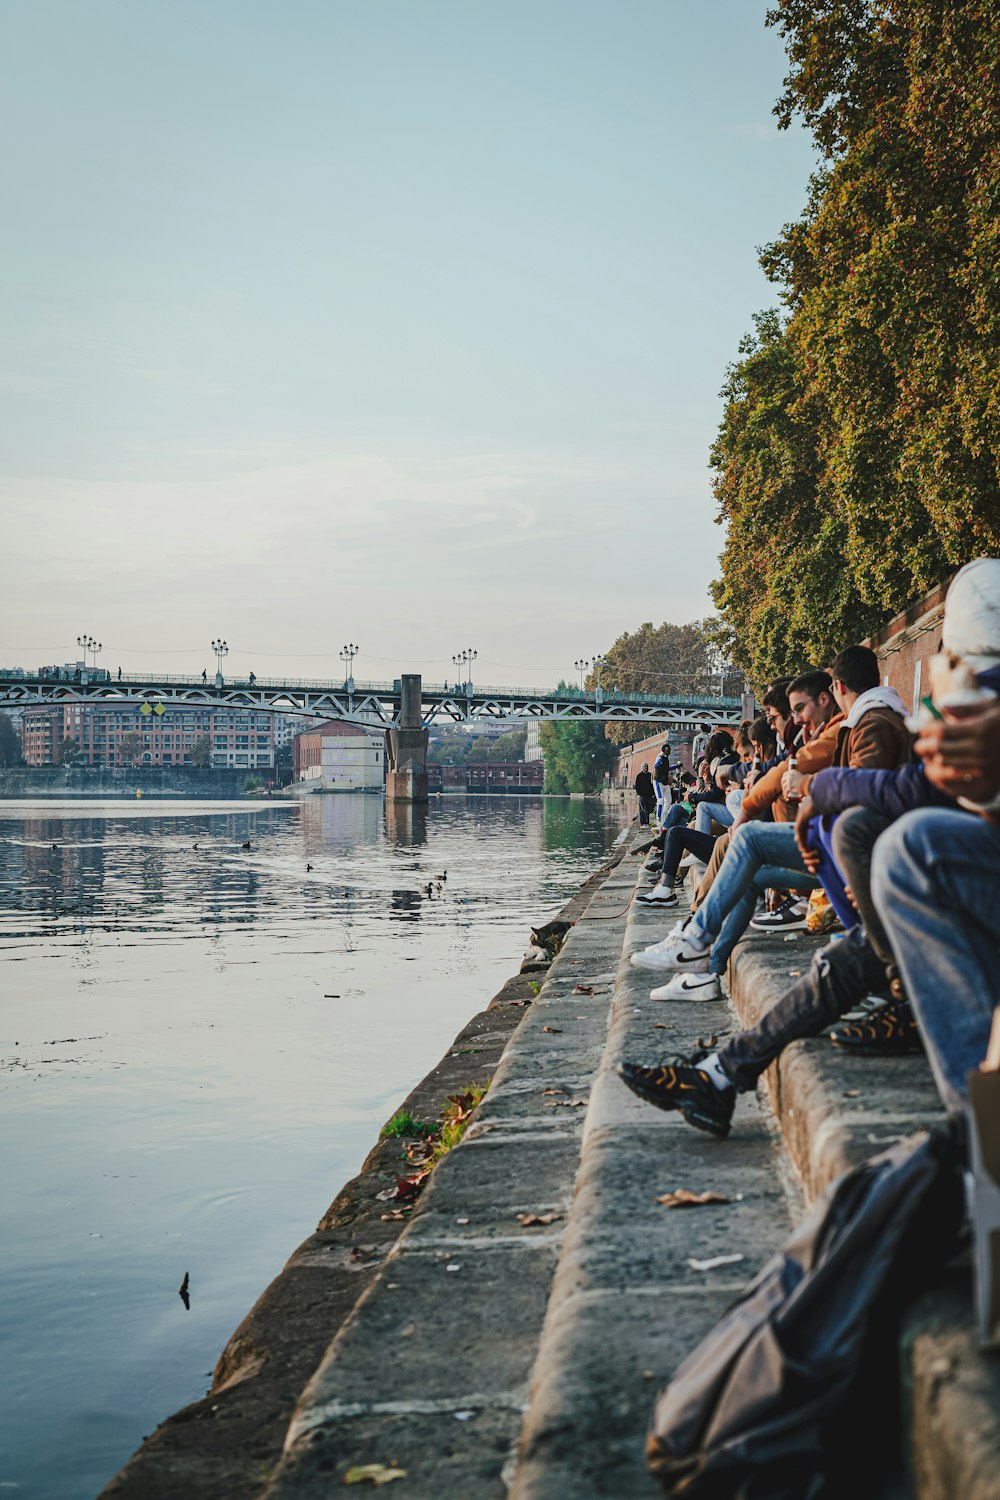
point(597, 664)
point(347, 656)
point(581, 667)
point(221, 650)
point(463, 662)
point(90, 647)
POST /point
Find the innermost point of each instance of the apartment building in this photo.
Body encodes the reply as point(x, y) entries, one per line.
point(237, 737)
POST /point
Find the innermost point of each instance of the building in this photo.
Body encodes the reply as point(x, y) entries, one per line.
point(339, 757)
point(532, 745)
point(506, 777)
point(237, 737)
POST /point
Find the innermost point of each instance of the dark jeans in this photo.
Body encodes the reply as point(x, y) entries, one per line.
point(678, 842)
point(853, 840)
point(839, 976)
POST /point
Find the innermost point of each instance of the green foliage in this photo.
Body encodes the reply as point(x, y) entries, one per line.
point(130, 748)
point(857, 460)
point(502, 747)
point(68, 753)
point(252, 783)
point(405, 1124)
point(576, 755)
point(10, 745)
point(665, 659)
point(201, 751)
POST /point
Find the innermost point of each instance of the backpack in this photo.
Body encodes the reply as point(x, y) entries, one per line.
point(759, 1410)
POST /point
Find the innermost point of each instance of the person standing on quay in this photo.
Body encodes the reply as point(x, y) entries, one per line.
point(644, 791)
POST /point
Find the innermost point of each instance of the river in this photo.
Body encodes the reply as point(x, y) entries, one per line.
point(198, 1045)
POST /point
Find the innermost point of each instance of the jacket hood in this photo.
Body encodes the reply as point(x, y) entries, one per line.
point(876, 697)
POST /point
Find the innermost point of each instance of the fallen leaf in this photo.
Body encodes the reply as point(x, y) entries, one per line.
point(553, 1091)
point(853, 1094)
point(683, 1198)
point(582, 989)
point(530, 1220)
point(715, 1260)
point(565, 1103)
point(662, 1026)
point(398, 1213)
point(373, 1474)
point(552, 1028)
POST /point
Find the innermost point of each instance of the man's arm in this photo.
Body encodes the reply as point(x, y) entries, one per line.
point(962, 756)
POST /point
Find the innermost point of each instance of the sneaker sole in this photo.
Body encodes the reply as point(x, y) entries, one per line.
point(639, 961)
point(795, 926)
point(701, 995)
point(694, 1116)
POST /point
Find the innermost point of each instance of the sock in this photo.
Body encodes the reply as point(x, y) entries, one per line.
point(695, 939)
point(716, 1072)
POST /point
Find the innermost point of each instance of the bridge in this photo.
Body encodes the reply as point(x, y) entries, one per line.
point(371, 703)
point(405, 708)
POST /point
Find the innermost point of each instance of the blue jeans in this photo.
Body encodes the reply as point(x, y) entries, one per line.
point(760, 854)
point(707, 813)
point(936, 883)
point(676, 817)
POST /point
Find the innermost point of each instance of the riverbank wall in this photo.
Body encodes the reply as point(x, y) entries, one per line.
point(64, 782)
point(505, 1335)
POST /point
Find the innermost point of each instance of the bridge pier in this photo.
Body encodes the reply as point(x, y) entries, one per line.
point(406, 747)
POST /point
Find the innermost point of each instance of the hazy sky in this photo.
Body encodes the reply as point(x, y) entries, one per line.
point(394, 321)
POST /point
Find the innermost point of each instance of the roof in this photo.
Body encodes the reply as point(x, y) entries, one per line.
point(340, 729)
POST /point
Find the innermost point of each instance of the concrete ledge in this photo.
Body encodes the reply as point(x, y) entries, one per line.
point(835, 1110)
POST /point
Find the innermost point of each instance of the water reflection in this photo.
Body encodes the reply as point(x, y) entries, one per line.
point(198, 1043)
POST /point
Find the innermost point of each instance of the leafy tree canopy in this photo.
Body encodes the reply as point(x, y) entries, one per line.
point(858, 456)
point(10, 745)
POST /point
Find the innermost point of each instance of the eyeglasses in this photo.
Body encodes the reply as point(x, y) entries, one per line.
point(798, 707)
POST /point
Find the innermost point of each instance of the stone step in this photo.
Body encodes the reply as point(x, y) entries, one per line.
point(626, 1304)
point(430, 1371)
point(835, 1110)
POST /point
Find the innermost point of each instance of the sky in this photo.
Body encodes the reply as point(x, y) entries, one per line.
point(392, 322)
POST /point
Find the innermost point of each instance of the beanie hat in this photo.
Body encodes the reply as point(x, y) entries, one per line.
point(972, 614)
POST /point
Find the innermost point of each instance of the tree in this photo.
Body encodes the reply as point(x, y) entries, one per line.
point(130, 748)
point(873, 399)
point(663, 660)
point(10, 745)
point(201, 751)
point(502, 747)
point(576, 755)
point(68, 753)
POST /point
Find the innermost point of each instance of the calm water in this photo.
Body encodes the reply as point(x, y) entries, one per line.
point(198, 1044)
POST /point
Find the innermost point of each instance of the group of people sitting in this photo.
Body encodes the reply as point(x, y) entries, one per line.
point(896, 819)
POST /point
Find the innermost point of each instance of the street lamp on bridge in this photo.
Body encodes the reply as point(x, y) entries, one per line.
point(221, 650)
point(90, 647)
point(581, 666)
point(597, 663)
point(463, 662)
point(347, 656)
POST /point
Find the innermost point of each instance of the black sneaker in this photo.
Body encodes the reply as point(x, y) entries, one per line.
point(790, 916)
point(678, 1085)
point(890, 1032)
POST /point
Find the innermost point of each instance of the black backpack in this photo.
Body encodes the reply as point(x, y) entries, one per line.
point(790, 1397)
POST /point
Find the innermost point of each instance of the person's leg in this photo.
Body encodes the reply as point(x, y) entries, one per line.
point(679, 842)
point(753, 847)
point(677, 817)
point(708, 813)
point(737, 919)
point(936, 885)
point(830, 876)
point(853, 840)
point(714, 866)
point(840, 974)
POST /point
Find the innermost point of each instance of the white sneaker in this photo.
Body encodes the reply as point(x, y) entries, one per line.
point(689, 860)
point(658, 895)
point(689, 987)
point(672, 953)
